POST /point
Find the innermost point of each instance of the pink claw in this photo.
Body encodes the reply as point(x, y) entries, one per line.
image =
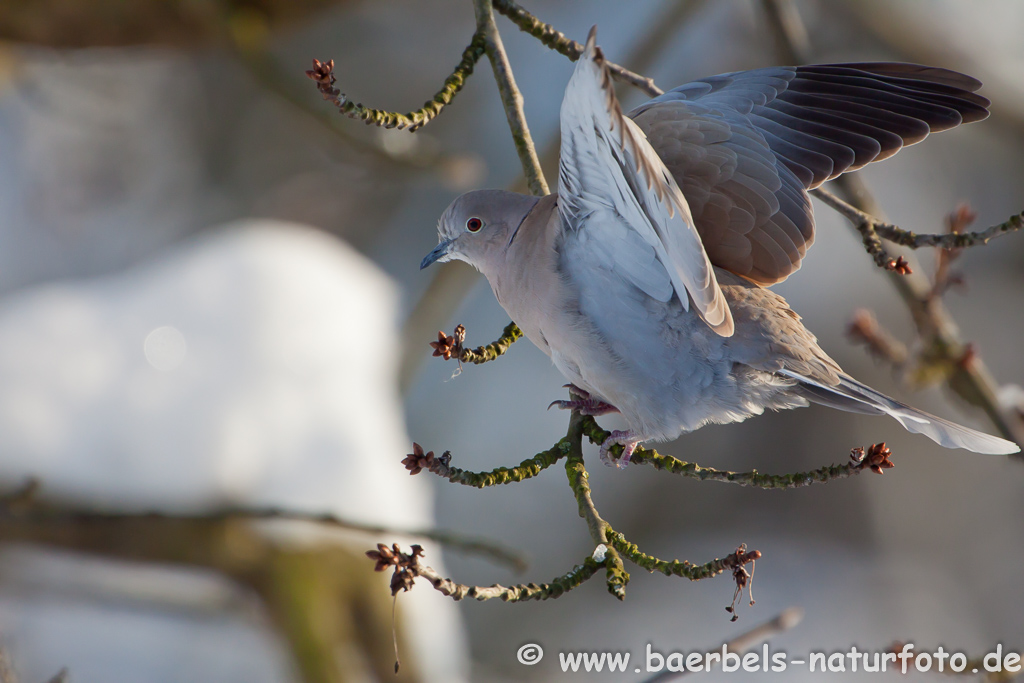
point(588, 406)
point(584, 403)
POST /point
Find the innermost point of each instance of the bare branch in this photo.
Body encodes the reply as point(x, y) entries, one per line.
point(23, 505)
point(864, 329)
point(510, 97)
point(557, 41)
point(864, 221)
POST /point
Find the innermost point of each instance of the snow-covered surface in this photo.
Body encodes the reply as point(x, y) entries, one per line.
point(252, 365)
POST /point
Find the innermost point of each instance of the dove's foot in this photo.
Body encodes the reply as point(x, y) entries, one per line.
point(588, 406)
point(584, 403)
point(629, 441)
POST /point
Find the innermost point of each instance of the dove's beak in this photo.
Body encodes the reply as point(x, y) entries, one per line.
point(442, 252)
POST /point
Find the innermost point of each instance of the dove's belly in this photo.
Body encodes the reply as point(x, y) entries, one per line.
point(666, 378)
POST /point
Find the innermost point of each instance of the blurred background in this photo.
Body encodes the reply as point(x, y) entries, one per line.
point(206, 275)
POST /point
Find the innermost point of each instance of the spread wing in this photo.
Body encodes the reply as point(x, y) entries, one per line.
point(745, 146)
point(620, 205)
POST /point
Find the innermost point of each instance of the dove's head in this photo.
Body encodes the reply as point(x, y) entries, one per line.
point(478, 228)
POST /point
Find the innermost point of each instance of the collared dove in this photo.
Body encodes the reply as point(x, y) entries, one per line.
point(643, 277)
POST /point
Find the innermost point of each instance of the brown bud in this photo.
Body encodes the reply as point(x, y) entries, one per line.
point(876, 458)
point(418, 460)
point(444, 346)
point(899, 265)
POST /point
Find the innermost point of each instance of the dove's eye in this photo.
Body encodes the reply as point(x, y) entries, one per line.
point(474, 224)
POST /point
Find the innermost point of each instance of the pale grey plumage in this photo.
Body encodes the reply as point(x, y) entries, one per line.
point(659, 311)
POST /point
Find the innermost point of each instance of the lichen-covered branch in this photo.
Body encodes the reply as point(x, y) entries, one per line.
point(450, 345)
point(950, 240)
point(511, 98)
point(407, 568)
point(616, 575)
point(323, 74)
point(609, 543)
point(492, 351)
point(441, 466)
point(518, 593)
point(875, 458)
point(685, 569)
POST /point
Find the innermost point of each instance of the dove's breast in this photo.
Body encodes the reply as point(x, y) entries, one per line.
point(534, 292)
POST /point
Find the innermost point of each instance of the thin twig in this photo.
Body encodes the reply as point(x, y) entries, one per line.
point(557, 41)
point(906, 238)
point(664, 31)
point(683, 568)
point(323, 74)
point(518, 593)
point(264, 68)
point(511, 98)
point(964, 370)
point(864, 223)
point(865, 329)
point(494, 350)
point(441, 466)
point(450, 346)
point(407, 568)
point(440, 299)
point(615, 543)
point(875, 458)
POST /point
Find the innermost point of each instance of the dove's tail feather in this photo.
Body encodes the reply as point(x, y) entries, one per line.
point(852, 396)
